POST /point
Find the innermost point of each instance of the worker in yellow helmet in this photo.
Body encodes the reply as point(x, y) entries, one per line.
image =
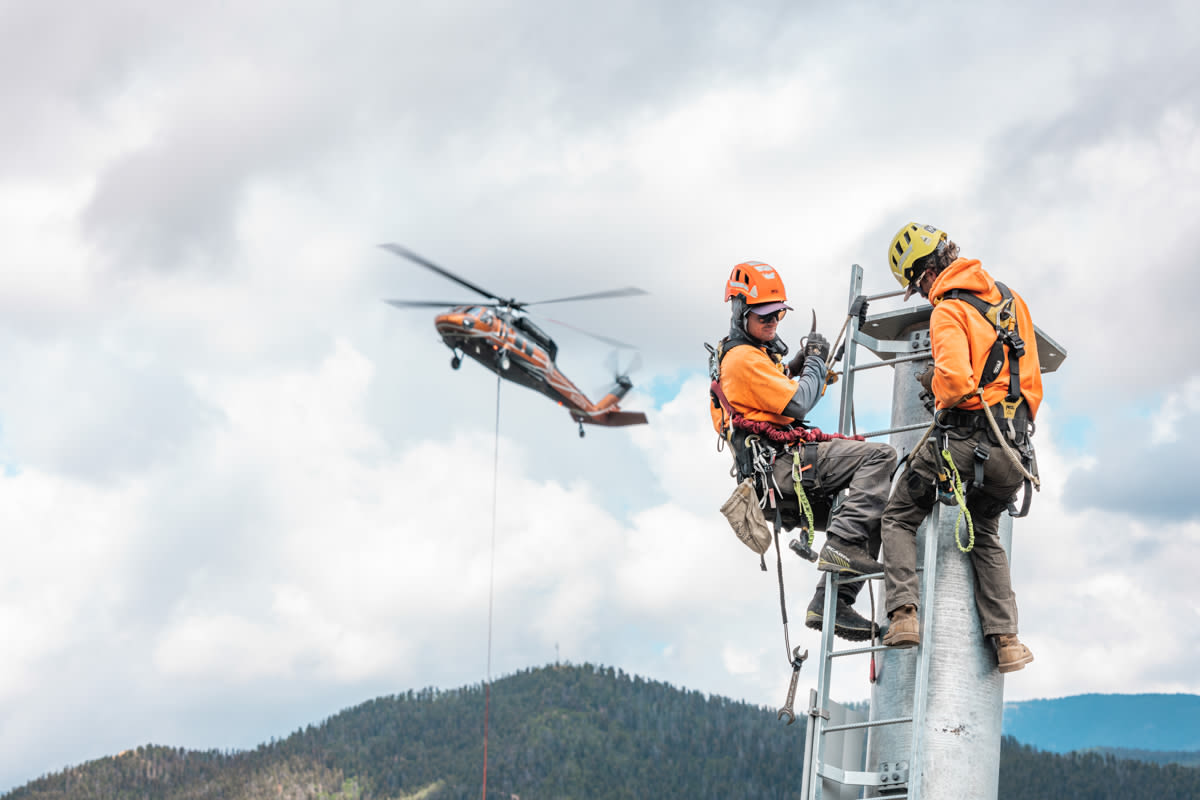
point(985, 362)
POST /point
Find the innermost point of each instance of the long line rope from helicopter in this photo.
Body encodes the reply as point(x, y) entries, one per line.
point(487, 690)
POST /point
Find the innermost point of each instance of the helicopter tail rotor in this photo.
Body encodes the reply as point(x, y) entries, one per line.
point(621, 382)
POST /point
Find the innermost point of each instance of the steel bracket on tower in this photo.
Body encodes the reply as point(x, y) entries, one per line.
point(893, 773)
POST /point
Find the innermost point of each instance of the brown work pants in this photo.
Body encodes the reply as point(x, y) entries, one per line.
point(910, 504)
point(864, 470)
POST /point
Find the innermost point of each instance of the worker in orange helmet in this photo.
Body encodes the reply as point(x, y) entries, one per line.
point(981, 366)
point(758, 385)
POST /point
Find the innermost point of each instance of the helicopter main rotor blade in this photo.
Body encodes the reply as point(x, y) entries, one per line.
point(404, 252)
point(430, 303)
point(605, 339)
point(628, 291)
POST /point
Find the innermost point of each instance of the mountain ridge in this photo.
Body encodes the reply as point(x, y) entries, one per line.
point(556, 731)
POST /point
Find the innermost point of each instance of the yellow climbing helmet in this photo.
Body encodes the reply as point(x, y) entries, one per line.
point(912, 242)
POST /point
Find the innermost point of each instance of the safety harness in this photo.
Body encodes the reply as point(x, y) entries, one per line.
point(957, 423)
point(757, 444)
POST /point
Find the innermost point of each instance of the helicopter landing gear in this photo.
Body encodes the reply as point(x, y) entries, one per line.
point(456, 361)
point(504, 362)
point(581, 430)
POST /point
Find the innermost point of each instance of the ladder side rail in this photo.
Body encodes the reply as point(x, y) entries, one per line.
point(819, 713)
point(809, 765)
point(846, 408)
point(933, 525)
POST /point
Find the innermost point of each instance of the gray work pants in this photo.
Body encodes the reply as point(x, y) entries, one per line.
point(910, 504)
point(864, 469)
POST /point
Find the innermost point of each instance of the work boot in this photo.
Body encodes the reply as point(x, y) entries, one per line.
point(1011, 654)
point(905, 630)
point(841, 556)
point(847, 623)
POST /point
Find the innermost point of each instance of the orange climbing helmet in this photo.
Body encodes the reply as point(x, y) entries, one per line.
point(757, 283)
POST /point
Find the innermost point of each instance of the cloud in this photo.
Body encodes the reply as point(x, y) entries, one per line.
point(1145, 472)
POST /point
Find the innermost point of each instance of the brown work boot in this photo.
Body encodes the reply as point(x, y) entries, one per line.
point(1011, 654)
point(905, 630)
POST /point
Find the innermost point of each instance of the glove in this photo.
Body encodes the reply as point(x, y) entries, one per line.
point(817, 345)
point(859, 309)
point(925, 378)
point(796, 365)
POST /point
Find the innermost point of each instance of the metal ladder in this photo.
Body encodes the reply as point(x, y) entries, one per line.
point(904, 776)
point(822, 781)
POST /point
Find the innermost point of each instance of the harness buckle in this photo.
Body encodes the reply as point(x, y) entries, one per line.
point(982, 453)
point(1010, 409)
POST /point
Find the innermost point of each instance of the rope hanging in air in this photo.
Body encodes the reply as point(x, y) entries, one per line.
point(487, 686)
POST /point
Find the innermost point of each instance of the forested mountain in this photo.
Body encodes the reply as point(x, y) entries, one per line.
point(557, 732)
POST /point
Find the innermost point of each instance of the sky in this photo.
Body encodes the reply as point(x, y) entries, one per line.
point(241, 493)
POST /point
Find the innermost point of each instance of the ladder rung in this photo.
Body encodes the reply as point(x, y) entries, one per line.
point(874, 576)
point(871, 723)
point(896, 293)
point(879, 648)
point(916, 426)
point(925, 355)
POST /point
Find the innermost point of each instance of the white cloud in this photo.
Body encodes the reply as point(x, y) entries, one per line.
point(1177, 405)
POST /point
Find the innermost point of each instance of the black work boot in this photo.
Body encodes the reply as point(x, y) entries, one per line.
point(844, 557)
point(847, 623)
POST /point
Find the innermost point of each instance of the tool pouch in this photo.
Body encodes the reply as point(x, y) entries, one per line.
point(746, 517)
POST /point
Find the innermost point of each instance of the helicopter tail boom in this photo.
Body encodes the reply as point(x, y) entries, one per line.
point(613, 419)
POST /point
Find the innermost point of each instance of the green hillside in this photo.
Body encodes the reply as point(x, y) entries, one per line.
point(556, 732)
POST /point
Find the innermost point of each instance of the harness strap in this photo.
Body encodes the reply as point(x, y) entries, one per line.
point(1027, 491)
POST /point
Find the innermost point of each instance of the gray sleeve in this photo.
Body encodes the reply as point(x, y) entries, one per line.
point(808, 389)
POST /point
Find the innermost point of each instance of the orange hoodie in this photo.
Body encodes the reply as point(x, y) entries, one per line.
point(962, 339)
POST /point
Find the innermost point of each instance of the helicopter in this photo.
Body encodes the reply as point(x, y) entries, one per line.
point(500, 336)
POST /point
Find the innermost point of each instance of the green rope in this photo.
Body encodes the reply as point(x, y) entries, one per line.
point(802, 496)
point(957, 485)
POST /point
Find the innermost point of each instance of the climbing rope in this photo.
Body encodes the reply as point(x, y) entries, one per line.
point(487, 686)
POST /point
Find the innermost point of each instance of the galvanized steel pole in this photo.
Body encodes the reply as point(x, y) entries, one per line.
point(958, 741)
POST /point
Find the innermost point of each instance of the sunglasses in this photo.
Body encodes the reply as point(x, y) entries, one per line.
point(774, 316)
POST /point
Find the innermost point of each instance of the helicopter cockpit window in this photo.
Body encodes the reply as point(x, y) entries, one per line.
point(486, 317)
